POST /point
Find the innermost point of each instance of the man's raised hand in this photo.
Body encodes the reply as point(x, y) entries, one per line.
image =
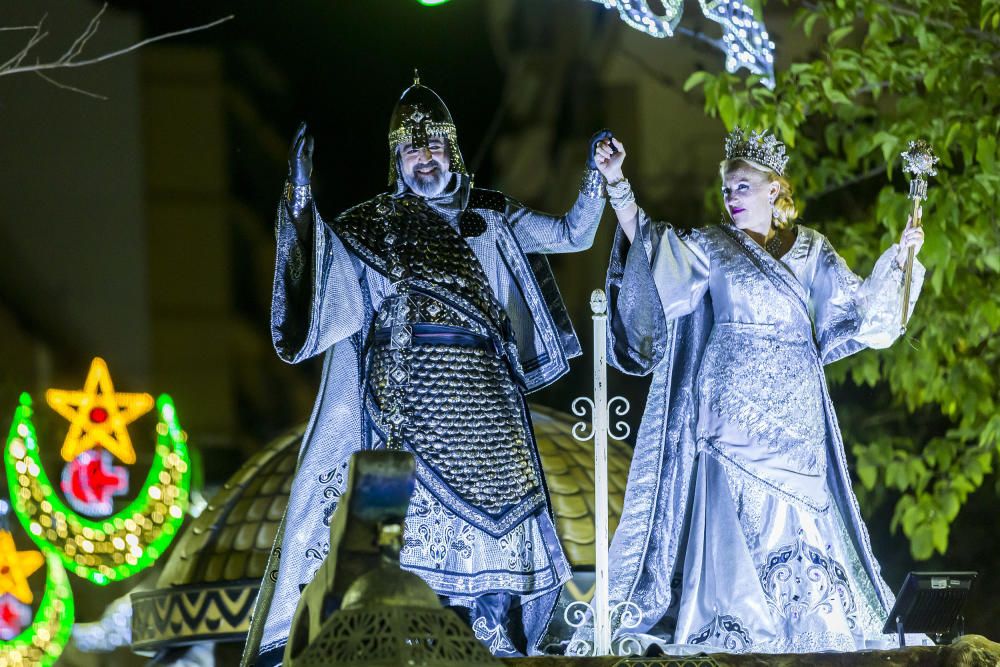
point(300, 157)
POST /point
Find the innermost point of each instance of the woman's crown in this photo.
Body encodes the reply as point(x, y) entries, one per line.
point(760, 147)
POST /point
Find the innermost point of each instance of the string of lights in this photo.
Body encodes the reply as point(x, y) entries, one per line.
point(43, 641)
point(114, 547)
point(745, 40)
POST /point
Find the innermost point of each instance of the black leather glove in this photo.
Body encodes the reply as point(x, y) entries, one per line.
point(594, 140)
point(300, 157)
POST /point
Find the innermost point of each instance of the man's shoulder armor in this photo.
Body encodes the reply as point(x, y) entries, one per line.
point(377, 206)
point(488, 199)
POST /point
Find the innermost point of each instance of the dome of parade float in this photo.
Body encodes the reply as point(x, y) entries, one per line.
point(208, 585)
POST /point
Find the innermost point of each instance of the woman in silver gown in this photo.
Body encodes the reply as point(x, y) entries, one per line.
point(741, 531)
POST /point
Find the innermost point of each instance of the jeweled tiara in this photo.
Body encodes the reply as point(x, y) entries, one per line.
point(762, 148)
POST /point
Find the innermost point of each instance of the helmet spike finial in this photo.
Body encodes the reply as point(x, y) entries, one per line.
point(416, 77)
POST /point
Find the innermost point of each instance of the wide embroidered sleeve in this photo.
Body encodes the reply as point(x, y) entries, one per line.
point(317, 298)
point(679, 264)
point(538, 232)
point(851, 313)
point(658, 278)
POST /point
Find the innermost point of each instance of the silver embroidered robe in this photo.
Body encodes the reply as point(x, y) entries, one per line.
point(329, 294)
point(741, 531)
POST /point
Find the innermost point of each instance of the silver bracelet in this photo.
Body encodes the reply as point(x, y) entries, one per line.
point(620, 194)
point(297, 196)
point(619, 203)
point(592, 184)
point(618, 188)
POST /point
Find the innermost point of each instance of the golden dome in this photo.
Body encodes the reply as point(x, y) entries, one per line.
point(569, 473)
point(211, 578)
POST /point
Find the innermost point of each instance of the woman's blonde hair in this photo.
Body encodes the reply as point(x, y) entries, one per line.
point(785, 209)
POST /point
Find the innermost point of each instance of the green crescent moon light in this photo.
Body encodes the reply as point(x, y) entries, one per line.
point(114, 547)
point(42, 642)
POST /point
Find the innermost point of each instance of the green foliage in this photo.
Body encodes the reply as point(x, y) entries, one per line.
point(887, 73)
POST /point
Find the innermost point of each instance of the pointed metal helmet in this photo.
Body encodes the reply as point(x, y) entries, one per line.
point(419, 115)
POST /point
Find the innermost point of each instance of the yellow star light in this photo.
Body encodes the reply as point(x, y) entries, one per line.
point(98, 416)
point(15, 568)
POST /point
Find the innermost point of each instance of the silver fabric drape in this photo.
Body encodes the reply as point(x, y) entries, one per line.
point(324, 302)
point(740, 529)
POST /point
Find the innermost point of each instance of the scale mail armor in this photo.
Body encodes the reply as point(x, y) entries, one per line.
point(439, 382)
point(435, 316)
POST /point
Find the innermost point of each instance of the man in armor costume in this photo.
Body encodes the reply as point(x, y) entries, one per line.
point(436, 311)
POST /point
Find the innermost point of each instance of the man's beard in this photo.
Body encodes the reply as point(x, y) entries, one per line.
point(428, 185)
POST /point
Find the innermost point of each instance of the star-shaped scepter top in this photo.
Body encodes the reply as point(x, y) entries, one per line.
point(919, 161)
point(15, 568)
point(98, 416)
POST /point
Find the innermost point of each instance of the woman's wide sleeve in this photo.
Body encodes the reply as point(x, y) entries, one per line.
point(317, 299)
point(661, 276)
point(678, 262)
point(851, 313)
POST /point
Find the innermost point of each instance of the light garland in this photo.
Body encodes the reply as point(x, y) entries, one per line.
point(745, 41)
point(14, 615)
point(42, 642)
point(112, 631)
point(15, 568)
point(115, 547)
point(90, 482)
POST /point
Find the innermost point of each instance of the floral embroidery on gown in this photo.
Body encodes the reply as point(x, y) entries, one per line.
point(741, 531)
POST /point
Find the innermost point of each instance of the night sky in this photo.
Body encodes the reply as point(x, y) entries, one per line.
point(341, 65)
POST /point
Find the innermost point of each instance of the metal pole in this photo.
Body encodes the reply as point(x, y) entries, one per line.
point(915, 194)
point(602, 619)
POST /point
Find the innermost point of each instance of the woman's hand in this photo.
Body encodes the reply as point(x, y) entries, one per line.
point(912, 237)
point(609, 155)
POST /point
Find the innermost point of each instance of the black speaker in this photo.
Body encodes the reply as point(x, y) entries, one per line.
point(930, 603)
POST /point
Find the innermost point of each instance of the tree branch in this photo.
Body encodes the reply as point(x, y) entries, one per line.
point(69, 59)
point(863, 176)
point(64, 86)
point(33, 41)
point(938, 23)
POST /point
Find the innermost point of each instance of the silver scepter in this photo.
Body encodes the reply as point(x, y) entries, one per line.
point(919, 161)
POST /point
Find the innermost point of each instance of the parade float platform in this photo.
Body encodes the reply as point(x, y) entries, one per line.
point(206, 589)
point(968, 651)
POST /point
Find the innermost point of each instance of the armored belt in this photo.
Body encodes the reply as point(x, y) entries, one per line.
point(442, 334)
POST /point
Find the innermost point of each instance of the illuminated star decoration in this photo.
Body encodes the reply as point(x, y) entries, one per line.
point(15, 568)
point(90, 482)
point(98, 416)
point(14, 615)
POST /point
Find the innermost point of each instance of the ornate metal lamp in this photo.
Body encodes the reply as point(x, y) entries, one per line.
point(387, 617)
